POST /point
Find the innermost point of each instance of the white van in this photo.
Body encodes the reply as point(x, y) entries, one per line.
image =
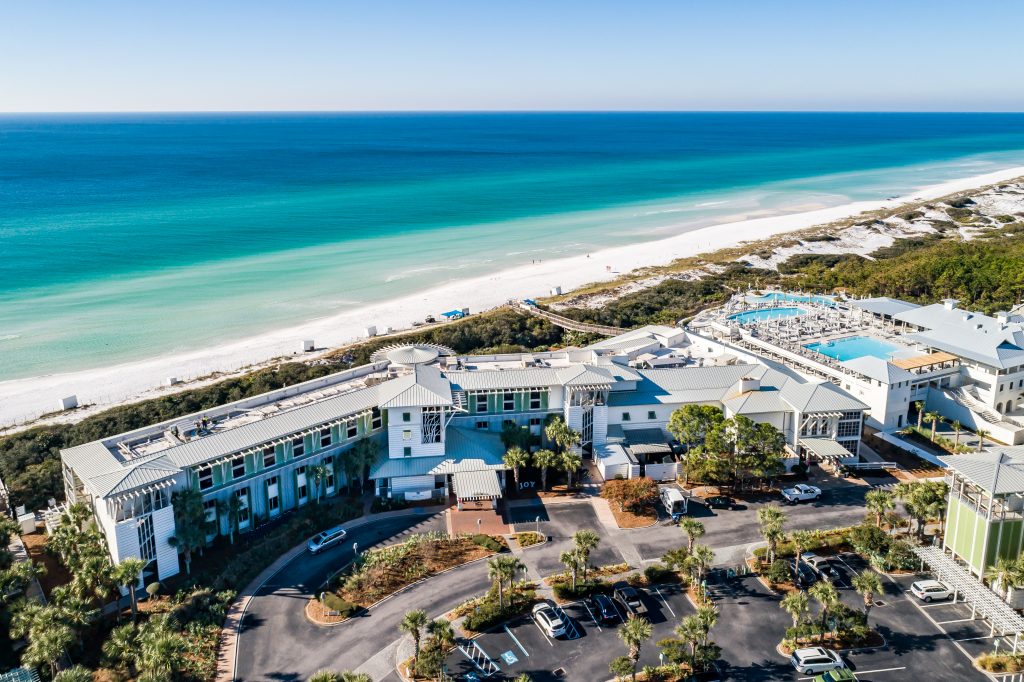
point(675, 502)
point(326, 539)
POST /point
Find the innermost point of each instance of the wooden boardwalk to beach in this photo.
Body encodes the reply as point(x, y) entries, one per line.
point(566, 323)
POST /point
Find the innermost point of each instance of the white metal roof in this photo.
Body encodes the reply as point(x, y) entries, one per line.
point(989, 605)
point(882, 305)
point(878, 369)
point(471, 485)
point(825, 447)
point(998, 472)
point(424, 386)
point(527, 377)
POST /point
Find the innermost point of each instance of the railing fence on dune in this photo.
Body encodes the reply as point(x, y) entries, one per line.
point(566, 323)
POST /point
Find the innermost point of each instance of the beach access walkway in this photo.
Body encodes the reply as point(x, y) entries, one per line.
point(566, 323)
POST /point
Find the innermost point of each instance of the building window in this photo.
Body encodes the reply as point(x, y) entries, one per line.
point(300, 484)
point(238, 467)
point(508, 402)
point(848, 429)
point(147, 539)
point(205, 479)
point(273, 499)
point(325, 437)
point(481, 402)
point(651, 414)
point(407, 416)
point(534, 421)
point(329, 463)
point(625, 416)
point(298, 447)
point(210, 507)
point(352, 431)
point(481, 425)
point(376, 421)
point(269, 457)
point(243, 507)
point(407, 451)
point(534, 400)
point(407, 435)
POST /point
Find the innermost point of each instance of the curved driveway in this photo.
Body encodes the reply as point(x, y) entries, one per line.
point(276, 641)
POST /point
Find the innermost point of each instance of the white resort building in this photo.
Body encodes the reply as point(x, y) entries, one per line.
point(965, 365)
point(436, 419)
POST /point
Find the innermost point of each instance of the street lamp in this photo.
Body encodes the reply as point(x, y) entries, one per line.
point(478, 522)
point(355, 550)
point(537, 521)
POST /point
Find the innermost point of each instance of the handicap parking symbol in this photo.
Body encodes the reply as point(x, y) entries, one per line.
point(509, 658)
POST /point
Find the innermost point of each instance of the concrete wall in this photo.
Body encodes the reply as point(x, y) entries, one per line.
point(938, 401)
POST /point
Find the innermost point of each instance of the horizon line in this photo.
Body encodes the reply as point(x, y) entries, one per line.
point(505, 111)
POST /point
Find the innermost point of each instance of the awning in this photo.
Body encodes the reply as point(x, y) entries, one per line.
point(919, 361)
point(476, 485)
point(825, 447)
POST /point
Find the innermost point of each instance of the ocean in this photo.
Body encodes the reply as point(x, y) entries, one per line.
point(125, 237)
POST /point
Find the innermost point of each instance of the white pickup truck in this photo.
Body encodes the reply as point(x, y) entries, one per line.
point(801, 492)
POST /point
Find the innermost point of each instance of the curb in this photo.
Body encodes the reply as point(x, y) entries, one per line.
point(227, 648)
point(400, 591)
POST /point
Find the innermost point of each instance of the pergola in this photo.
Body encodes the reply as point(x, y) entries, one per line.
point(983, 601)
point(476, 485)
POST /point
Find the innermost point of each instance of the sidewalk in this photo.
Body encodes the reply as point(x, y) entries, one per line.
point(227, 653)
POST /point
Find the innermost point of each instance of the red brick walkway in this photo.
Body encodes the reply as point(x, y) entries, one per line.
point(465, 521)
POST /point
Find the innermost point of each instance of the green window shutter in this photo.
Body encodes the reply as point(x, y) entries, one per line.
point(544, 397)
point(218, 476)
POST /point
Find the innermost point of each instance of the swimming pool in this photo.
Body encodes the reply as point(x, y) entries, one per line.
point(766, 314)
point(777, 296)
point(854, 347)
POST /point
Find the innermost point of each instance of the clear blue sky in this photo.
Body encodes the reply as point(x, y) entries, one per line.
point(105, 55)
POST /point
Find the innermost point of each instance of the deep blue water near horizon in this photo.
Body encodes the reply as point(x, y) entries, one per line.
point(129, 236)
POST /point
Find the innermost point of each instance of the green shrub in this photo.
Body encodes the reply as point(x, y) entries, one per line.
point(564, 591)
point(900, 556)
point(340, 606)
point(779, 572)
point(659, 573)
point(529, 538)
point(869, 540)
point(487, 542)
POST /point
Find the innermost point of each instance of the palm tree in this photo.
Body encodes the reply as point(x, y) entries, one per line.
point(957, 426)
point(801, 541)
point(522, 677)
point(441, 630)
point(570, 462)
point(826, 595)
point(933, 418)
point(75, 673)
point(325, 675)
point(161, 650)
point(701, 558)
point(497, 570)
point(691, 631)
point(919, 406)
point(513, 567)
point(634, 632)
point(121, 647)
point(796, 604)
point(412, 624)
point(879, 501)
point(360, 456)
point(572, 561)
point(559, 433)
point(868, 584)
point(318, 474)
point(232, 509)
point(127, 575)
point(347, 676)
point(772, 519)
point(585, 541)
point(1005, 573)
point(542, 459)
point(982, 435)
point(694, 530)
point(190, 524)
point(516, 457)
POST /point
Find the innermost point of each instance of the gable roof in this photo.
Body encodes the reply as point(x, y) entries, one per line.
point(997, 471)
point(424, 386)
point(584, 375)
point(134, 476)
point(878, 369)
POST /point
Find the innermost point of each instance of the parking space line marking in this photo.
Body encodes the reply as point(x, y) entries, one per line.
point(591, 614)
point(866, 672)
point(543, 633)
point(622, 616)
point(974, 639)
point(664, 601)
point(518, 644)
point(961, 620)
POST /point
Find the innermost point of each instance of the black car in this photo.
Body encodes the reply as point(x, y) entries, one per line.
point(805, 575)
point(603, 609)
point(720, 502)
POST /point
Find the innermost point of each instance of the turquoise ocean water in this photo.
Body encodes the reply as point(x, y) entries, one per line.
point(128, 237)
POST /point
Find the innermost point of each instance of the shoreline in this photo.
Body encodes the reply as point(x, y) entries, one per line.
point(24, 401)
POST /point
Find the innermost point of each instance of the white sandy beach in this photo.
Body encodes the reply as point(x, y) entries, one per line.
point(22, 400)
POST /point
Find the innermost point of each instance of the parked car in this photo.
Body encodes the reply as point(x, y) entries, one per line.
point(720, 502)
point(931, 590)
point(603, 608)
point(549, 620)
point(814, 660)
point(326, 539)
point(837, 675)
point(629, 597)
point(805, 575)
point(822, 566)
point(801, 492)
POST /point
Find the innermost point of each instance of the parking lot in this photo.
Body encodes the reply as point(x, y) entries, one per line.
point(583, 654)
point(559, 523)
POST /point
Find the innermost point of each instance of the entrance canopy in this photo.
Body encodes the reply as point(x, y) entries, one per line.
point(476, 485)
point(826, 448)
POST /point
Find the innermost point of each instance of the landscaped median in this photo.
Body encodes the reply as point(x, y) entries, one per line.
point(379, 573)
point(632, 501)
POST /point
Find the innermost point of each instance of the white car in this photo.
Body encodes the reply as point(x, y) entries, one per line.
point(815, 660)
point(930, 590)
point(549, 620)
point(801, 492)
point(328, 538)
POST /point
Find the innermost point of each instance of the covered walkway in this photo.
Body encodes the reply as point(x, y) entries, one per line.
point(982, 600)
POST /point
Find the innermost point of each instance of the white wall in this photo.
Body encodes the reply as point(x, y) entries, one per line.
point(396, 438)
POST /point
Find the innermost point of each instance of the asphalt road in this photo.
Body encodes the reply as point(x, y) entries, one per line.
point(278, 643)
